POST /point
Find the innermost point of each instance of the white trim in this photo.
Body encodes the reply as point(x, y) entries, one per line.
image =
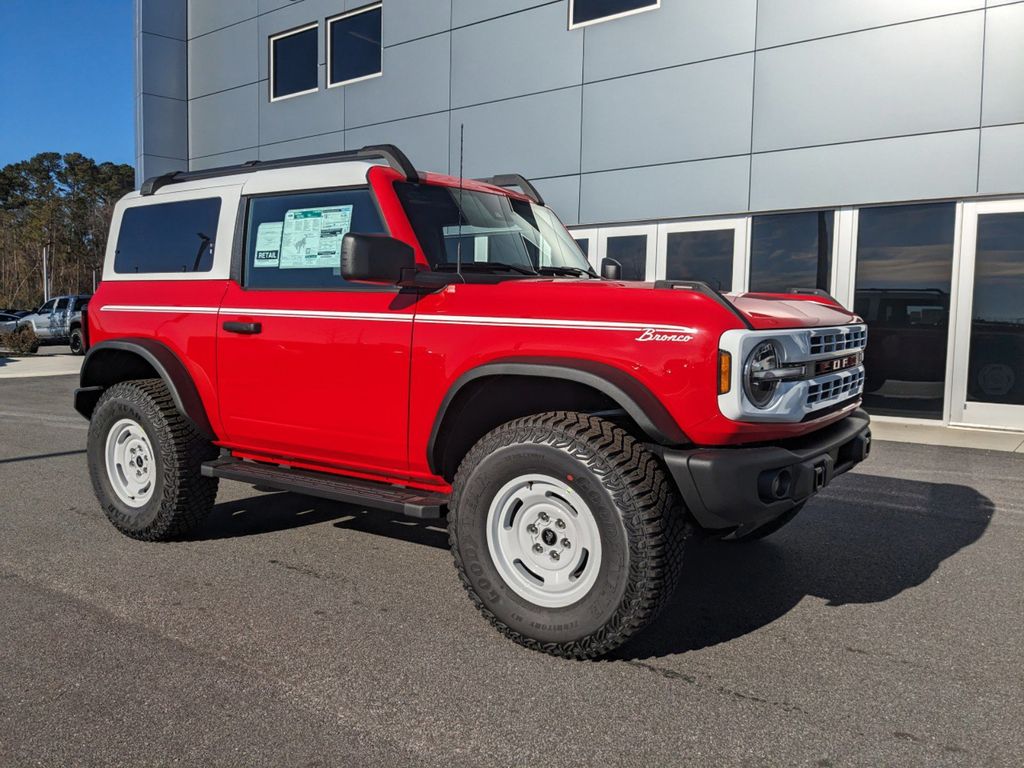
point(330, 46)
point(654, 5)
point(270, 74)
point(315, 314)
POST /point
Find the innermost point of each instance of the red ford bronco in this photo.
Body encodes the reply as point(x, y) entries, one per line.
point(348, 327)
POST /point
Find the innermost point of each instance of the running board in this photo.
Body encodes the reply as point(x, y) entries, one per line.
point(423, 505)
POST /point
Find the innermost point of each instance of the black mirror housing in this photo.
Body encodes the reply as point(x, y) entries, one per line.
point(375, 258)
point(611, 269)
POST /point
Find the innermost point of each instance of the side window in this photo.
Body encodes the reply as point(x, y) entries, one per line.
point(294, 241)
point(168, 237)
point(354, 49)
point(62, 304)
point(294, 67)
point(47, 308)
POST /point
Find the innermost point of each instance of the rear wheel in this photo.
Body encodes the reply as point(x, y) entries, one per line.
point(145, 462)
point(76, 342)
point(565, 532)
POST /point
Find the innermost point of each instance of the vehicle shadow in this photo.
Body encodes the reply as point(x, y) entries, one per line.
point(277, 511)
point(865, 540)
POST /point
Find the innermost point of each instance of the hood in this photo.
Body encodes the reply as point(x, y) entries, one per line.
point(767, 311)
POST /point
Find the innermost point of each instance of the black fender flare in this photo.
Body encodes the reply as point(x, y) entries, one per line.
point(630, 394)
point(95, 378)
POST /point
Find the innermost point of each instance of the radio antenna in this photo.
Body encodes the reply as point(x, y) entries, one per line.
point(458, 245)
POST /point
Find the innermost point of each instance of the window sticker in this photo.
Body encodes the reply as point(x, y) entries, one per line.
point(268, 244)
point(311, 237)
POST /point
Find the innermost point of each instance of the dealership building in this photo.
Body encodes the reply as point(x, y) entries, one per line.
point(870, 148)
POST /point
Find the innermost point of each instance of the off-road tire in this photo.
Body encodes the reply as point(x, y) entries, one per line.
point(768, 528)
point(642, 527)
point(76, 342)
point(181, 497)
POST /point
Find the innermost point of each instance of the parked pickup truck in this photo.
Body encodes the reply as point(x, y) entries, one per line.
point(59, 321)
point(349, 327)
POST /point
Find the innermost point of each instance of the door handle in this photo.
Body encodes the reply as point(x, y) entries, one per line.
point(232, 326)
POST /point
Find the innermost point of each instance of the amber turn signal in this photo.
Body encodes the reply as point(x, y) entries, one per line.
point(724, 371)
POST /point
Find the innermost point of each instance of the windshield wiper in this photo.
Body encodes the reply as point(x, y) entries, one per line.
point(578, 271)
point(485, 265)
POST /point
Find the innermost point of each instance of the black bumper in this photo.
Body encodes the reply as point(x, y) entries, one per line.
point(747, 487)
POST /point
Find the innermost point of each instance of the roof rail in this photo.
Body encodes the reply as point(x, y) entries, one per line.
point(516, 180)
point(395, 157)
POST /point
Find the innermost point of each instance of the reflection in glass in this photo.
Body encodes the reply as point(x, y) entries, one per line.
point(584, 244)
point(791, 250)
point(705, 255)
point(631, 252)
point(995, 371)
point(904, 269)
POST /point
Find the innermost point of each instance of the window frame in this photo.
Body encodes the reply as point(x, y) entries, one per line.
point(270, 74)
point(653, 6)
point(328, 42)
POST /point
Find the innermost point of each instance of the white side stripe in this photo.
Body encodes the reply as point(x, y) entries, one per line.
point(385, 317)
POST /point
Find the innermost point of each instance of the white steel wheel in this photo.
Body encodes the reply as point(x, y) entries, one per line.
point(544, 541)
point(131, 465)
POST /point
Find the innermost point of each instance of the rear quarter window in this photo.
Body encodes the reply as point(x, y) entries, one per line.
point(168, 237)
point(293, 241)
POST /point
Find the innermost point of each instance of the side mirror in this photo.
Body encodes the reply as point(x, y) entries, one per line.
point(611, 269)
point(375, 258)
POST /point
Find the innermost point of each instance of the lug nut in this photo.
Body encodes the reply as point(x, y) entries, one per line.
point(538, 548)
point(560, 523)
point(554, 555)
point(566, 544)
point(531, 528)
point(543, 516)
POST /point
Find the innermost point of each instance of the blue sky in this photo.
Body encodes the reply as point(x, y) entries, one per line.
point(66, 79)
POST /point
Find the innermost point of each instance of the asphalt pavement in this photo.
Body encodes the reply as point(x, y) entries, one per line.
point(885, 626)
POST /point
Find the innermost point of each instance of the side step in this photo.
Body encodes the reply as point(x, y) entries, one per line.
point(423, 505)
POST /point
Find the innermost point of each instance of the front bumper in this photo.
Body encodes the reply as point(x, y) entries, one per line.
point(748, 487)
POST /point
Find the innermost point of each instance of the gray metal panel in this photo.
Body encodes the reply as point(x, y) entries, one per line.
point(300, 116)
point(684, 113)
point(911, 168)
point(994, 3)
point(205, 16)
point(265, 6)
point(699, 188)
point(408, 19)
point(1004, 66)
point(1002, 160)
point(164, 127)
point(163, 17)
point(515, 55)
point(415, 82)
point(225, 121)
point(910, 78)
point(162, 70)
point(562, 195)
point(313, 145)
point(786, 21)
point(423, 139)
point(148, 166)
point(226, 158)
point(677, 33)
point(223, 59)
point(472, 11)
point(535, 135)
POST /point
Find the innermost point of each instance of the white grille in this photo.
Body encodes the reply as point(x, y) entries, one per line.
point(839, 387)
point(838, 340)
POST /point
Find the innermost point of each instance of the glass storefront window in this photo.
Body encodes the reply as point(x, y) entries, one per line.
point(791, 250)
point(631, 252)
point(704, 255)
point(904, 273)
point(995, 371)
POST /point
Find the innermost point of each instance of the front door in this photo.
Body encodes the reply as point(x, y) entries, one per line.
point(311, 368)
point(988, 383)
point(42, 320)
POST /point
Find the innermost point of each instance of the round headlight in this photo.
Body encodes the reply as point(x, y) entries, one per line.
point(761, 391)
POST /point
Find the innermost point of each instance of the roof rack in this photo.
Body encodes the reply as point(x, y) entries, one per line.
point(516, 180)
point(395, 157)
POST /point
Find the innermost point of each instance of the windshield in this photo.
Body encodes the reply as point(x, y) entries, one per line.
point(493, 233)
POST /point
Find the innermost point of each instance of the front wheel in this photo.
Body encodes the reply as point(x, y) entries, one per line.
point(565, 532)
